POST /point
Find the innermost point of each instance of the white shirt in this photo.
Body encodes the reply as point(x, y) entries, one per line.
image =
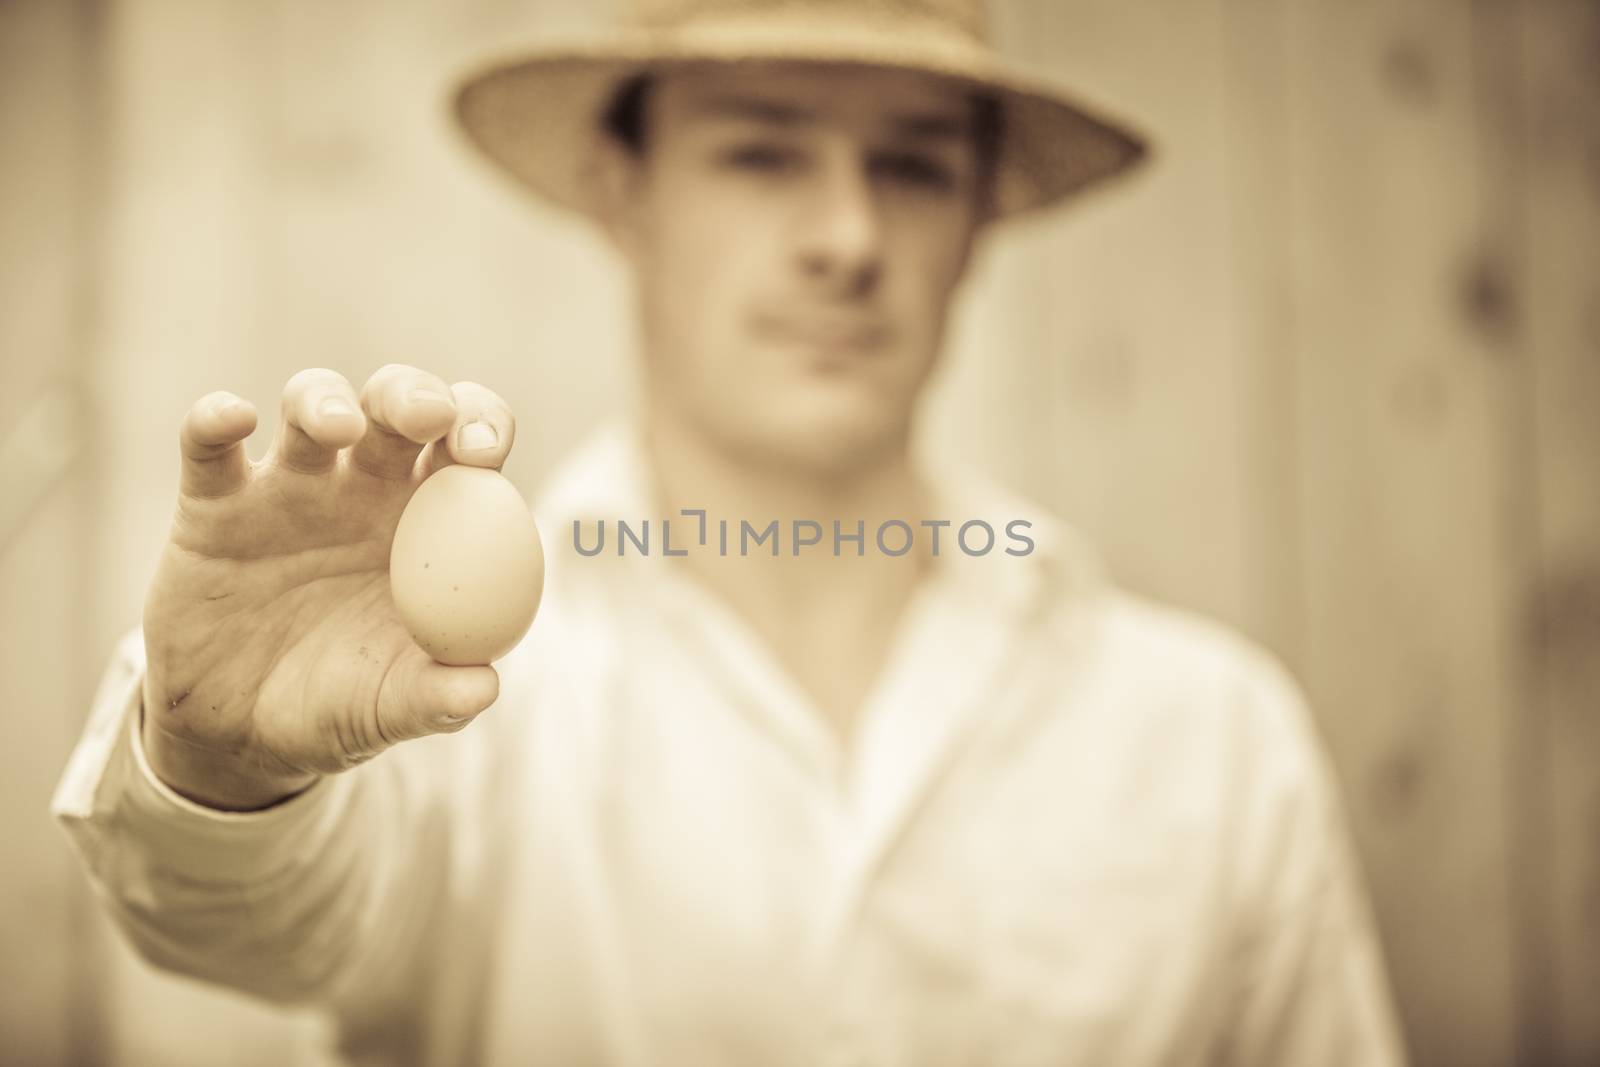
point(1073, 827)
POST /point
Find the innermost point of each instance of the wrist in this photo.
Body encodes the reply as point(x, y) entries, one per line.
point(208, 778)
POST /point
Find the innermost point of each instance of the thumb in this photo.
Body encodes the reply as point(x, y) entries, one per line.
point(422, 697)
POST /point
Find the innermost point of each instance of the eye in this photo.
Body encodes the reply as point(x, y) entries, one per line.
point(915, 168)
point(761, 158)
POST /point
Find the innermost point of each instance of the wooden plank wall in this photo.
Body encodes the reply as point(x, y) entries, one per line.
point(47, 132)
point(1406, 402)
point(1551, 128)
point(1329, 370)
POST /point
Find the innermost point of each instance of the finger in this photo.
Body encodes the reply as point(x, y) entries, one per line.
point(211, 443)
point(482, 434)
point(406, 408)
point(320, 416)
point(420, 697)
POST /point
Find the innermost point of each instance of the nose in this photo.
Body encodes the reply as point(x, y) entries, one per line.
point(840, 234)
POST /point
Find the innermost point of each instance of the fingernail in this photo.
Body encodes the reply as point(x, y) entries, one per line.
point(477, 436)
point(335, 405)
point(227, 406)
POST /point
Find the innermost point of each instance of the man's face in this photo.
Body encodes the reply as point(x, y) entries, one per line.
point(796, 233)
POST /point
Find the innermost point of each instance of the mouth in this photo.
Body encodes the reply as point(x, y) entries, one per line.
point(830, 334)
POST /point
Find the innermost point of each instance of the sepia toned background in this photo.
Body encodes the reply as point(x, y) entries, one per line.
point(1329, 370)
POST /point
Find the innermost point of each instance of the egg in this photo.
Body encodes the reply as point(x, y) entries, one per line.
point(466, 568)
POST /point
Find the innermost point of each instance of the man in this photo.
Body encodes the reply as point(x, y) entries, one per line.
point(855, 795)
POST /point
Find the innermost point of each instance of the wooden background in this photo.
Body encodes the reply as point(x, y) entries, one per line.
point(1330, 370)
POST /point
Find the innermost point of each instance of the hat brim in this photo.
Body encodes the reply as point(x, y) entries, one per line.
point(536, 112)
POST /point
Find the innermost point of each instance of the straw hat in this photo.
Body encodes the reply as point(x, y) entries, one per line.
point(536, 111)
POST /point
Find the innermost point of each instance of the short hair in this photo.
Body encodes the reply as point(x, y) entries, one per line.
point(988, 136)
point(624, 120)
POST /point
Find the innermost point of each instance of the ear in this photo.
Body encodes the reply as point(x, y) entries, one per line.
point(619, 177)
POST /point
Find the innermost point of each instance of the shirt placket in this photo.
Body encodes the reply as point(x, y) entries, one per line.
point(941, 685)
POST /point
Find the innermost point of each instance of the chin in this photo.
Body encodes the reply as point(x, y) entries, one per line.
point(825, 442)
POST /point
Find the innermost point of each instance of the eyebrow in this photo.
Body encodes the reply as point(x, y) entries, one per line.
point(919, 126)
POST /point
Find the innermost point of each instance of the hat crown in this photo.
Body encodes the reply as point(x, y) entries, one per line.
point(966, 17)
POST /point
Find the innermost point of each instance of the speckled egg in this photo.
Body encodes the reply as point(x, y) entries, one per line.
point(466, 568)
